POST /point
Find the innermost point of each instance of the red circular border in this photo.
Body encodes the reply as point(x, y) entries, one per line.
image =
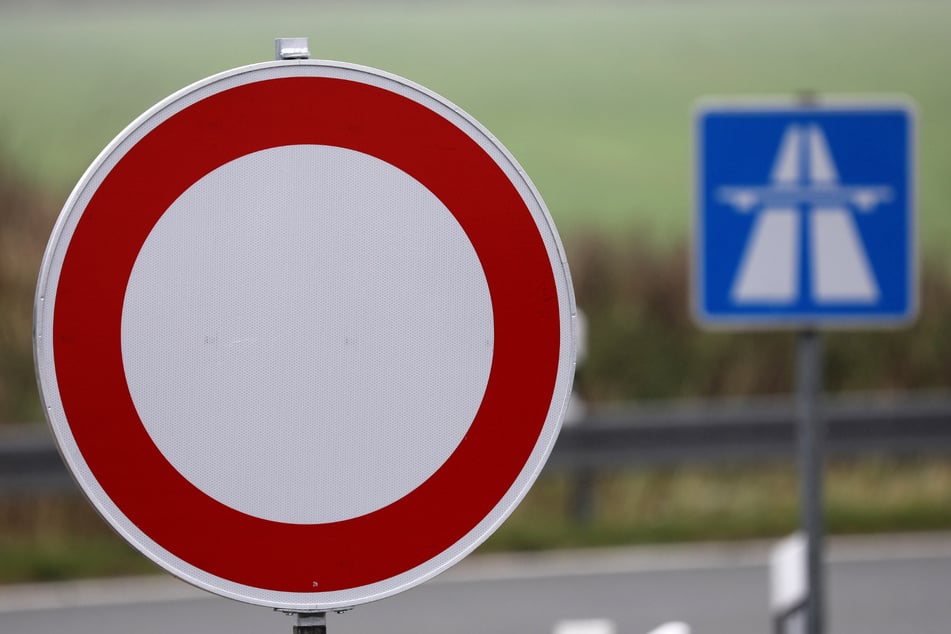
point(103, 420)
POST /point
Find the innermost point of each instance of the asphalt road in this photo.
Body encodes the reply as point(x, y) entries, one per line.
point(879, 586)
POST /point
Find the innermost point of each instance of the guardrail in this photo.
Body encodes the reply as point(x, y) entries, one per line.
point(636, 435)
point(762, 429)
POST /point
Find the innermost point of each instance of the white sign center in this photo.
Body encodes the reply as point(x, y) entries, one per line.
point(254, 305)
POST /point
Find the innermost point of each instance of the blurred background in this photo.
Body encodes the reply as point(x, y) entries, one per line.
point(594, 99)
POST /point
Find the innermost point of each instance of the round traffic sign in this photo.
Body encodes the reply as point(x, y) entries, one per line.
point(304, 334)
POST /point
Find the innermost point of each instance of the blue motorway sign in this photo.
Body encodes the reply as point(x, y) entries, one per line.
point(804, 215)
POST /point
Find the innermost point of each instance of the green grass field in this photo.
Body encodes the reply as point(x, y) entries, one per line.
point(593, 100)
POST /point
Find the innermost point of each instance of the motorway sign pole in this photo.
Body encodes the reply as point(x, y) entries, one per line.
point(811, 432)
point(811, 448)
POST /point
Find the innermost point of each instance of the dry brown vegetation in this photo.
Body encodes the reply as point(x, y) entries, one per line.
point(26, 217)
point(643, 343)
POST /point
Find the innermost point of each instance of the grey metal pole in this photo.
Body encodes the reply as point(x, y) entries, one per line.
point(811, 466)
point(311, 623)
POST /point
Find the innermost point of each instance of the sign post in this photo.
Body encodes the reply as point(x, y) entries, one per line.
point(305, 334)
point(804, 220)
point(811, 432)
